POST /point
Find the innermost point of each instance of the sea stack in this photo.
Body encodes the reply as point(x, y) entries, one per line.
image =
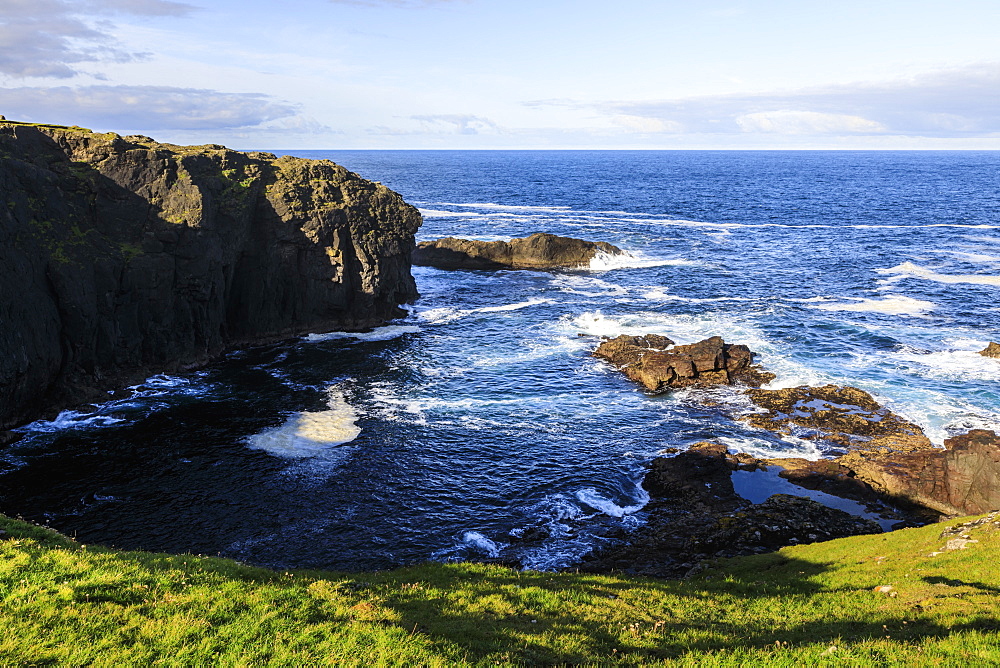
point(538, 251)
point(121, 257)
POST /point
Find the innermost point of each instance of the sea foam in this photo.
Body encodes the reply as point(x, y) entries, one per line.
point(890, 305)
point(378, 334)
point(911, 270)
point(311, 433)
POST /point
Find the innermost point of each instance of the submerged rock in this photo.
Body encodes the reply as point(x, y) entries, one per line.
point(538, 251)
point(121, 257)
point(651, 361)
point(992, 350)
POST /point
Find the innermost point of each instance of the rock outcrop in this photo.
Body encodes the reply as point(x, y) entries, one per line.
point(992, 350)
point(120, 256)
point(962, 479)
point(843, 416)
point(538, 251)
point(695, 514)
point(881, 455)
point(651, 361)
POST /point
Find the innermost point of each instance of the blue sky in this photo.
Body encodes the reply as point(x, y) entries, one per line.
point(471, 74)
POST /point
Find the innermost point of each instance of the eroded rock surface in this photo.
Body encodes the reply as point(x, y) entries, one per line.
point(121, 256)
point(538, 251)
point(841, 415)
point(652, 361)
point(962, 479)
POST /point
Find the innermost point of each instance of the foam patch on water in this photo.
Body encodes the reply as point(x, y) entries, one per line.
point(961, 365)
point(660, 295)
point(911, 270)
point(71, 420)
point(311, 433)
point(378, 334)
point(606, 262)
point(481, 543)
point(588, 286)
point(890, 305)
point(591, 497)
point(788, 446)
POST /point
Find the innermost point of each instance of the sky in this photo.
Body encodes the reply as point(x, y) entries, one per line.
point(511, 74)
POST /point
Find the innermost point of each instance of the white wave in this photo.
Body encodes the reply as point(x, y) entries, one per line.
point(660, 295)
point(502, 207)
point(595, 500)
point(962, 365)
point(437, 213)
point(969, 257)
point(606, 261)
point(890, 305)
point(481, 543)
point(311, 433)
point(587, 286)
point(513, 307)
point(377, 334)
point(446, 314)
point(789, 446)
point(910, 270)
point(71, 420)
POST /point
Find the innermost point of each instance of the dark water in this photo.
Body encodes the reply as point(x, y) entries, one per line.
point(485, 426)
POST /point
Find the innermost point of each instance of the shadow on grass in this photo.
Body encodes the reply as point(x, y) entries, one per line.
point(551, 618)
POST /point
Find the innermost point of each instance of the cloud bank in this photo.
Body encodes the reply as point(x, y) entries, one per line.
point(48, 38)
point(142, 108)
point(951, 103)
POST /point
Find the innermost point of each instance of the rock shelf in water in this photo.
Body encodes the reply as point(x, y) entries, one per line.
point(538, 251)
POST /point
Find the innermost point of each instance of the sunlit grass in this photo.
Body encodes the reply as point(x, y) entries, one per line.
point(64, 603)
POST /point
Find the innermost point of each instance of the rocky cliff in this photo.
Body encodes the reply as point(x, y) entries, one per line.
point(120, 256)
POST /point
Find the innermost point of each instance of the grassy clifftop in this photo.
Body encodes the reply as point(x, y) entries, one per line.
point(61, 602)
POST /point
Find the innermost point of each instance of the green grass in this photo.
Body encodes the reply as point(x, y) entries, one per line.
point(63, 603)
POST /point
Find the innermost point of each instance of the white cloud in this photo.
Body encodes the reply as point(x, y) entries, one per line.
point(48, 38)
point(806, 123)
point(437, 124)
point(948, 103)
point(142, 108)
point(646, 125)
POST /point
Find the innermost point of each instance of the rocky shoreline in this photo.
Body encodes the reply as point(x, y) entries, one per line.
point(121, 257)
point(881, 460)
point(538, 251)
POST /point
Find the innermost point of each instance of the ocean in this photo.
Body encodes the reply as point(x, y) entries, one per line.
point(479, 426)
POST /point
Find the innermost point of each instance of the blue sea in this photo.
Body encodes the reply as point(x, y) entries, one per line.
point(480, 426)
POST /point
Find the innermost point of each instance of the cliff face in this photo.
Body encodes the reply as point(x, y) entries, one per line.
point(122, 256)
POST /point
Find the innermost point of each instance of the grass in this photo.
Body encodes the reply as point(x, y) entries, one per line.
point(64, 603)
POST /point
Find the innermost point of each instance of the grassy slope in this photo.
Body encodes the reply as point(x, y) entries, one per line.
point(61, 602)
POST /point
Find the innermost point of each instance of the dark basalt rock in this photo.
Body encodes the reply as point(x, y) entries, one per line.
point(651, 361)
point(992, 350)
point(695, 515)
point(122, 257)
point(538, 251)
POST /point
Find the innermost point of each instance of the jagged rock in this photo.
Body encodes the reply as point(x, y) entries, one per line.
point(121, 257)
point(962, 479)
point(538, 251)
point(695, 514)
point(842, 415)
point(992, 350)
point(650, 360)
